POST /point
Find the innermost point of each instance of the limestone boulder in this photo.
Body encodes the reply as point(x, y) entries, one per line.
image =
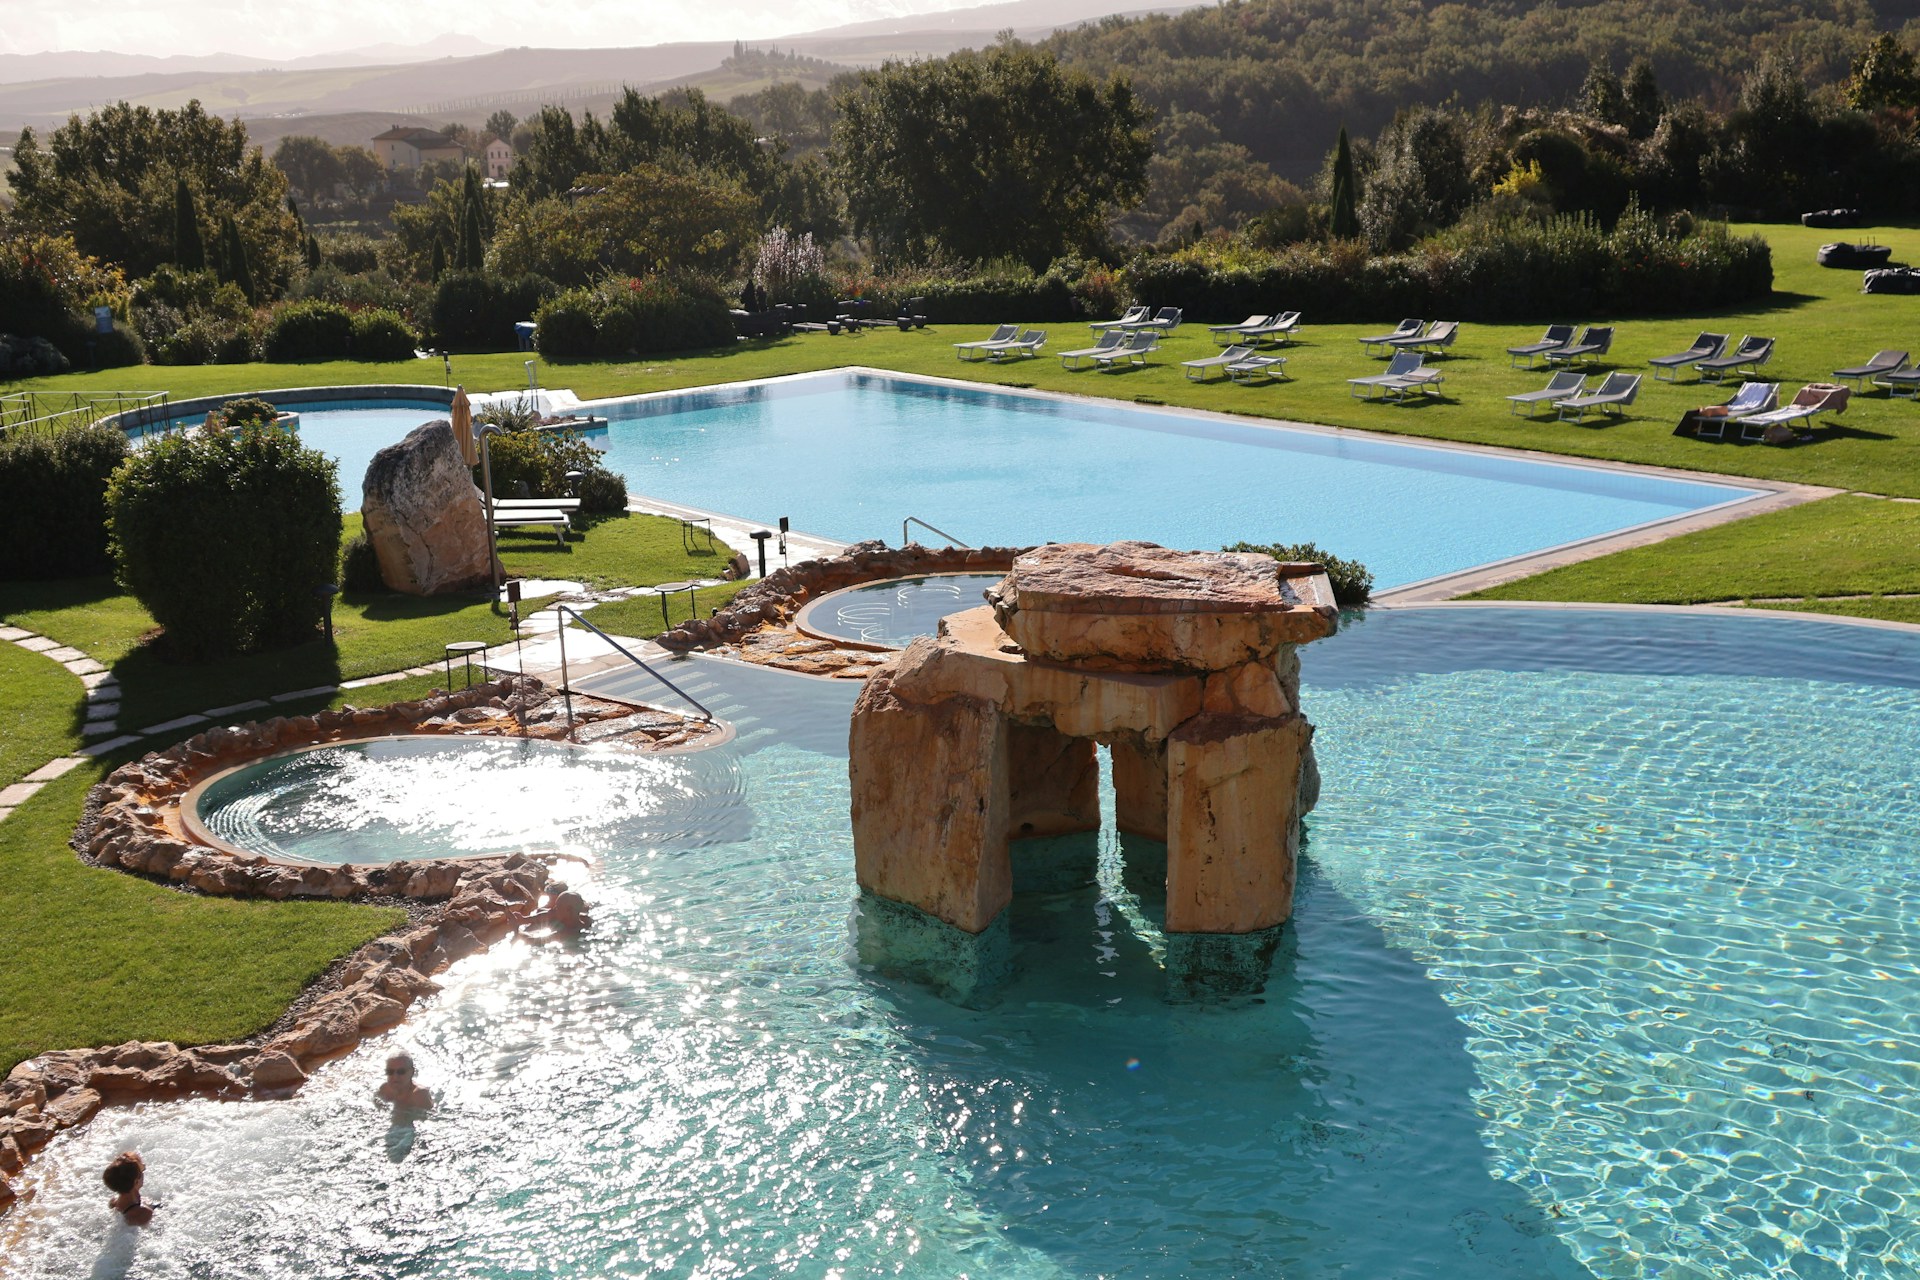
point(425, 516)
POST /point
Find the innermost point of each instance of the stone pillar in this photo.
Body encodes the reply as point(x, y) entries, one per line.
point(929, 784)
point(1232, 815)
point(1053, 782)
point(1140, 786)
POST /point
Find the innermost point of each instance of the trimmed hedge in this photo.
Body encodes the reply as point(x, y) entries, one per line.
point(617, 319)
point(1487, 271)
point(311, 330)
point(475, 312)
point(380, 334)
point(224, 537)
point(53, 523)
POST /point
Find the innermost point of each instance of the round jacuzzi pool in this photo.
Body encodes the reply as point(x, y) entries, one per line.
point(891, 614)
point(385, 799)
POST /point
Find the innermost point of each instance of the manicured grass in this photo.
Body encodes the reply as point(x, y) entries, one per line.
point(628, 549)
point(1847, 545)
point(1907, 610)
point(36, 719)
point(640, 615)
point(94, 957)
point(1821, 319)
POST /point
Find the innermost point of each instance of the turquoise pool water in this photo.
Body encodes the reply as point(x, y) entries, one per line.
point(350, 432)
point(894, 612)
point(849, 456)
point(1603, 964)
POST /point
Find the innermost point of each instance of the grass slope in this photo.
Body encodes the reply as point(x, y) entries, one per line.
point(36, 717)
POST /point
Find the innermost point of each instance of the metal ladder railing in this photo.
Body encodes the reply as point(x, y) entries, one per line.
point(562, 612)
point(968, 546)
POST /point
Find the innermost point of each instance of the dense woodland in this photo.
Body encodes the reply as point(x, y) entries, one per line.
point(1059, 178)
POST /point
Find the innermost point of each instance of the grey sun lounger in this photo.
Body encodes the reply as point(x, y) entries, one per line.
point(1705, 347)
point(1594, 343)
point(1005, 333)
point(1027, 344)
point(1404, 376)
point(1556, 336)
point(1883, 362)
point(1406, 329)
point(1561, 386)
point(1901, 382)
point(1751, 398)
point(1133, 351)
point(1436, 338)
point(1165, 320)
point(1281, 328)
point(1747, 357)
point(1132, 315)
point(1229, 330)
point(1197, 369)
point(1258, 369)
point(1611, 400)
point(1109, 339)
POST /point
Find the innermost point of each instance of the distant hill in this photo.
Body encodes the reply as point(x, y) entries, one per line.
point(19, 68)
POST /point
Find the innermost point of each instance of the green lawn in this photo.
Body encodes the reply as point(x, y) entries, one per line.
point(640, 615)
point(97, 957)
point(1847, 545)
point(36, 720)
point(1819, 316)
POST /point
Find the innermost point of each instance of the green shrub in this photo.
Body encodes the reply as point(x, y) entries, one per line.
point(381, 335)
point(1352, 581)
point(541, 460)
point(32, 357)
point(360, 568)
point(224, 536)
point(601, 491)
point(475, 312)
point(566, 325)
point(619, 318)
point(53, 523)
point(310, 330)
point(118, 348)
point(245, 411)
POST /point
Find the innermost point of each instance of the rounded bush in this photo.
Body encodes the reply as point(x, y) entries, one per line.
point(360, 568)
point(32, 357)
point(602, 491)
point(246, 411)
point(380, 334)
point(224, 537)
point(118, 348)
point(53, 523)
point(1352, 581)
point(566, 326)
point(310, 330)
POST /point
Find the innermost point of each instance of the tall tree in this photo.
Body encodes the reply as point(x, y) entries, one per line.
point(985, 155)
point(1885, 74)
point(1343, 219)
point(233, 258)
point(473, 248)
point(439, 265)
point(189, 249)
point(1641, 96)
point(500, 124)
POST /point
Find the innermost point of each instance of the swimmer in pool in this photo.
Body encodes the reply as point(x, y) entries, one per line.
point(124, 1177)
point(565, 912)
point(405, 1093)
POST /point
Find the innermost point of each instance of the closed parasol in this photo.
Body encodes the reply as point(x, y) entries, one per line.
point(463, 426)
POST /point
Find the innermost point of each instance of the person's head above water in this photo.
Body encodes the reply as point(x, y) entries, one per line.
point(124, 1172)
point(400, 1066)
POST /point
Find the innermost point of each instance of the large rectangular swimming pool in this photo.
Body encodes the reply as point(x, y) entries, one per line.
point(849, 455)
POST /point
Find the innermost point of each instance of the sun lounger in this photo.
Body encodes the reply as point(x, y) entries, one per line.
point(1133, 351)
point(1404, 376)
point(1437, 337)
point(1258, 369)
point(1406, 329)
point(1747, 357)
point(1109, 339)
point(1705, 347)
point(1751, 398)
point(1133, 315)
point(1814, 398)
point(1165, 320)
point(536, 504)
point(1027, 344)
point(1556, 336)
point(1594, 343)
point(1561, 386)
point(1281, 328)
point(535, 517)
point(1005, 333)
point(1883, 362)
point(1610, 401)
point(1901, 382)
point(1197, 369)
point(1224, 333)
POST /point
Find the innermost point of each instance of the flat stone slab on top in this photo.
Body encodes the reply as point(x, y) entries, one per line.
point(1136, 606)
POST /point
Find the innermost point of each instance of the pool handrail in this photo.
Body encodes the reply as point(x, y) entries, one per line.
point(562, 611)
point(968, 546)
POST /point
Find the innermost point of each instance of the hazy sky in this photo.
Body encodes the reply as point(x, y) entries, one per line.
point(276, 28)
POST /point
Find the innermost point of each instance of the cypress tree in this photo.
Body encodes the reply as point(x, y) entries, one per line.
point(473, 250)
point(313, 252)
point(234, 252)
point(1344, 223)
point(189, 250)
point(439, 258)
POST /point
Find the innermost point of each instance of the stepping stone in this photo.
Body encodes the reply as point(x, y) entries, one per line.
point(366, 681)
point(170, 725)
point(314, 692)
point(38, 644)
point(83, 666)
point(94, 728)
point(105, 718)
point(254, 705)
point(66, 653)
point(111, 744)
point(14, 633)
point(55, 768)
point(17, 794)
point(99, 683)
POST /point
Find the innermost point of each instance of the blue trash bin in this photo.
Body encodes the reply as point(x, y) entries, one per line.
point(523, 332)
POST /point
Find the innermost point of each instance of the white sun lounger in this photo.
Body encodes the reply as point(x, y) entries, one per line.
point(1132, 315)
point(1282, 328)
point(1197, 369)
point(1751, 398)
point(1258, 369)
point(1406, 329)
point(1109, 339)
point(1133, 351)
point(1005, 333)
point(1251, 322)
point(1027, 344)
point(1745, 358)
point(1610, 401)
point(1404, 376)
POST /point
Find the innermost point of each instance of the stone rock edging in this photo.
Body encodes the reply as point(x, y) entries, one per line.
point(779, 596)
point(457, 907)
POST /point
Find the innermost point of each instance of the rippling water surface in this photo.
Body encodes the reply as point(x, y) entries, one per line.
point(1603, 964)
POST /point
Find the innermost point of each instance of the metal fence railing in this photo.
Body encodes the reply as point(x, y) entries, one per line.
point(45, 411)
